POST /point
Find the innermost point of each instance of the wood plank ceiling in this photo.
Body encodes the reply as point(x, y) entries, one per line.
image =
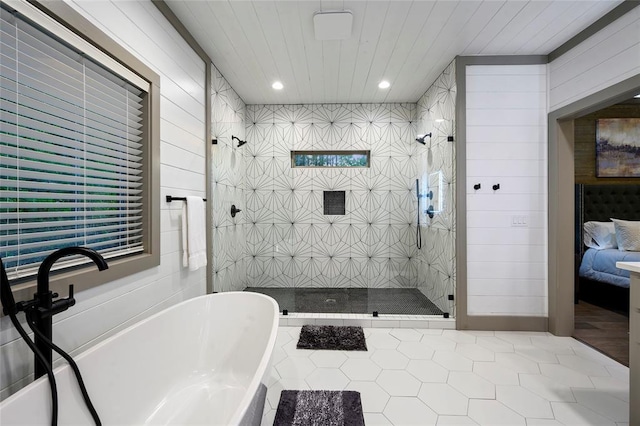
point(408, 43)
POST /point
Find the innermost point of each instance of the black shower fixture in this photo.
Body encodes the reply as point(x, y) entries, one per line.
point(240, 143)
point(421, 139)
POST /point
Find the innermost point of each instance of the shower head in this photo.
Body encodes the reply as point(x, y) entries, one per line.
point(240, 143)
point(422, 138)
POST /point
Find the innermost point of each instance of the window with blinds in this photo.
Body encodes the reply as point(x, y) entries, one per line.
point(70, 151)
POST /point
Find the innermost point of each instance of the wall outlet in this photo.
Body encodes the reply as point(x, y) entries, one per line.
point(520, 221)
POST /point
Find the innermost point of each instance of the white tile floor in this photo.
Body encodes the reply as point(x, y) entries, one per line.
point(449, 377)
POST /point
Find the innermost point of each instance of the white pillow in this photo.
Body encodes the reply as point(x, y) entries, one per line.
point(627, 234)
point(600, 235)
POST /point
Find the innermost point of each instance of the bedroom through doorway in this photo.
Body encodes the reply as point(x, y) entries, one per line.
point(603, 193)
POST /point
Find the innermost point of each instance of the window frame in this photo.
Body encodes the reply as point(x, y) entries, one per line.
point(364, 152)
point(86, 277)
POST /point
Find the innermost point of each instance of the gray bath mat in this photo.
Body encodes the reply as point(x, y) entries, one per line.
point(332, 337)
point(319, 408)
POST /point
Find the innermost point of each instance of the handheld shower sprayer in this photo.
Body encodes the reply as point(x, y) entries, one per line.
point(418, 227)
point(422, 138)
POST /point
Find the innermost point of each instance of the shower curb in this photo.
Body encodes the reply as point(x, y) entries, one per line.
point(368, 321)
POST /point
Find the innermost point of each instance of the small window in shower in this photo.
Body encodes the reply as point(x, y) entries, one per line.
point(330, 158)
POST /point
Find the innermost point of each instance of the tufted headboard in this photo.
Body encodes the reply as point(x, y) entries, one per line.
point(602, 202)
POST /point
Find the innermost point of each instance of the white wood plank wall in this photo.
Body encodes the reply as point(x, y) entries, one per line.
point(604, 59)
point(104, 310)
point(506, 145)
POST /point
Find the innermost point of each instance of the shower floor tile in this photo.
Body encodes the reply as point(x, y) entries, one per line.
point(401, 301)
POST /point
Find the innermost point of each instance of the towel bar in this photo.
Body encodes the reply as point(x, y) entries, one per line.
point(171, 198)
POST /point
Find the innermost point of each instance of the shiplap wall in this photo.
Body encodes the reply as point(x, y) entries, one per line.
point(604, 59)
point(104, 310)
point(506, 145)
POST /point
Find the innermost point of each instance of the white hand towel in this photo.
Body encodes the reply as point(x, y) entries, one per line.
point(194, 242)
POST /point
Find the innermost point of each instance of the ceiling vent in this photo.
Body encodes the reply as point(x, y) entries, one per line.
point(333, 25)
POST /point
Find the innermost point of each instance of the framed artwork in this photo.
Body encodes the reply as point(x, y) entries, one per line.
point(618, 147)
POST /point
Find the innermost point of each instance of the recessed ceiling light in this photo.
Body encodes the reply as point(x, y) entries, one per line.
point(384, 84)
point(277, 85)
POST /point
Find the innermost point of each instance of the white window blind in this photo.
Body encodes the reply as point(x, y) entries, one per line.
point(70, 151)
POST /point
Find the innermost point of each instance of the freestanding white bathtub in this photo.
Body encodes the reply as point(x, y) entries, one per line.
point(204, 361)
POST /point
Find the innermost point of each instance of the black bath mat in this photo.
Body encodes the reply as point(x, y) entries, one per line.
point(332, 337)
point(319, 408)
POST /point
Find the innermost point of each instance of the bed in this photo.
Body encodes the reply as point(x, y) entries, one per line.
point(598, 281)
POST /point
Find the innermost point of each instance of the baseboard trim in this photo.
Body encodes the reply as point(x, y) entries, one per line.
point(504, 323)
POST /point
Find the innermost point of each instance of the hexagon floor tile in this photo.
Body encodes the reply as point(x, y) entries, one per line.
point(390, 359)
point(409, 411)
point(469, 378)
point(361, 369)
point(443, 399)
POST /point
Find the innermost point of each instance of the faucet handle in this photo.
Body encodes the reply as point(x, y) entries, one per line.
point(60, 305)
point(70, 300)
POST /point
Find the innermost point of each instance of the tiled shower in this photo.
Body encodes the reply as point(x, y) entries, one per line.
point(283, 239)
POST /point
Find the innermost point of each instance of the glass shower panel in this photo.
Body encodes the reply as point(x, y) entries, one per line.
point(436, 278)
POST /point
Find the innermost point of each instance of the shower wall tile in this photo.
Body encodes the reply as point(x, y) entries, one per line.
point(230, 169)
point(301, 243)
point(436, 115)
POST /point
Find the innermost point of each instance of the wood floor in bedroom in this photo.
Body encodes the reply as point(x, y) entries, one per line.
point(604, 330)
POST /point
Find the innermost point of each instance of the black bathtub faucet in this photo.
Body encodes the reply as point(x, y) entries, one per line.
point(39, 312)
point(44, 307)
